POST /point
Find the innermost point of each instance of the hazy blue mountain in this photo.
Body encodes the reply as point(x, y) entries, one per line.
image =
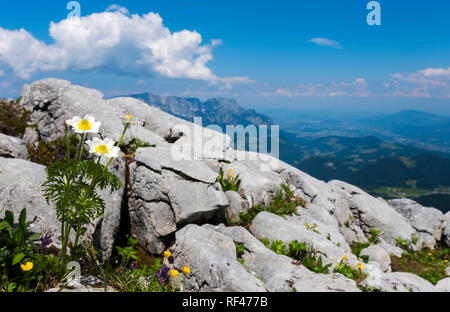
point(219, 111)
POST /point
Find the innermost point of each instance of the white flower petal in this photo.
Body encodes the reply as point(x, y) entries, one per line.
point(95, 126)
point(114, 152)
point(109, 143)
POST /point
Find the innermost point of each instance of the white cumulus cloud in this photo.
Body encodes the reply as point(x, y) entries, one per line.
point(111, 41)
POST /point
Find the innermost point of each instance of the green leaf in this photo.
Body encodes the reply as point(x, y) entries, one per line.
point(9, 217)
point(23, 217)
point(4, 225)
point(17, 258)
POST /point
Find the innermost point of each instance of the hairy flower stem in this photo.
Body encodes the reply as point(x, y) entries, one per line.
point(65, 227)
point(118, 143)
point(85, 195)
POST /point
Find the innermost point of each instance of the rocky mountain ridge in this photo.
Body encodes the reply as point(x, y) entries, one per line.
point(177, 203)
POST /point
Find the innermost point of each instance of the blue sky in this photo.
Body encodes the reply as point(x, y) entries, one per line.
point(266, 54)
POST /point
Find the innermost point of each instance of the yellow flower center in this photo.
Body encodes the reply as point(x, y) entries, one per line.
point(128, 117)
point(84, 125)
point(102, 148)
point(167, 254)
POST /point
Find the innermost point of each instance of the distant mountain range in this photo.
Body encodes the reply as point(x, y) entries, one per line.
point(402, 154)
point(218, 111)
point(420, 129)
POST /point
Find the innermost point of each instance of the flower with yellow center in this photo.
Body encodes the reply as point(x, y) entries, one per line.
point(84, 125)
point(360, 266)
point(186, 270)
point(430, 254)
point(230, 171)
point(344, 258)
point(174, 273)
point(167, 254)
point(231, 175)
point(103, 147)
point(128, 119)
point(27, 266)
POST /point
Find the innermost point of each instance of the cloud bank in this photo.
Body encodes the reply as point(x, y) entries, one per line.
point(428, 83)
point(357, 88)
point(111, 41)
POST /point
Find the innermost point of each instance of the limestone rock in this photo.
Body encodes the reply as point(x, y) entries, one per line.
point(427, 221)
point(12, 147)
point(379, 256)
point(211, 257)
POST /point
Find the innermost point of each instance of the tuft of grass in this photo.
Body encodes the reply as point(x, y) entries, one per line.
point(283, 203)
point(349, 272)
point(301, 252)
point(14, 118)
point(356, 250)
point(240, 249)
point(134, 144)
point(230, 182)
point(428, 264)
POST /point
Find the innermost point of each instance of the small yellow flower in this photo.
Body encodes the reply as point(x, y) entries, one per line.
point(117, 261)
point(344, 258)
point(445, 260)
point(230, 171)
point(174, 273)
point(360, 266)
point(27, 266)
point(430, 254)
point(128, 117)
point(231, 175)
point(186, 270)
point(167, 254)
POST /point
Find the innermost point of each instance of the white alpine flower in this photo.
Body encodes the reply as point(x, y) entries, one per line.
point(85, 125)
point(103, 147)
point(129, 119)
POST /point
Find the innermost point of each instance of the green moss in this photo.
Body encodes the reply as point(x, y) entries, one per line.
point(428, 264)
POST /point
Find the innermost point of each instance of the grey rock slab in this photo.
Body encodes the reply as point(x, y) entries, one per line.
point(211, 256)
point(400, 282)
point(236, 206)
point(274, 227)
point(194, 202)
point(443, 285)
point(20, 187)
point(12, 147)
point(378, 255)
point(371, 212)
point(159, 158)
point(427, 221)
